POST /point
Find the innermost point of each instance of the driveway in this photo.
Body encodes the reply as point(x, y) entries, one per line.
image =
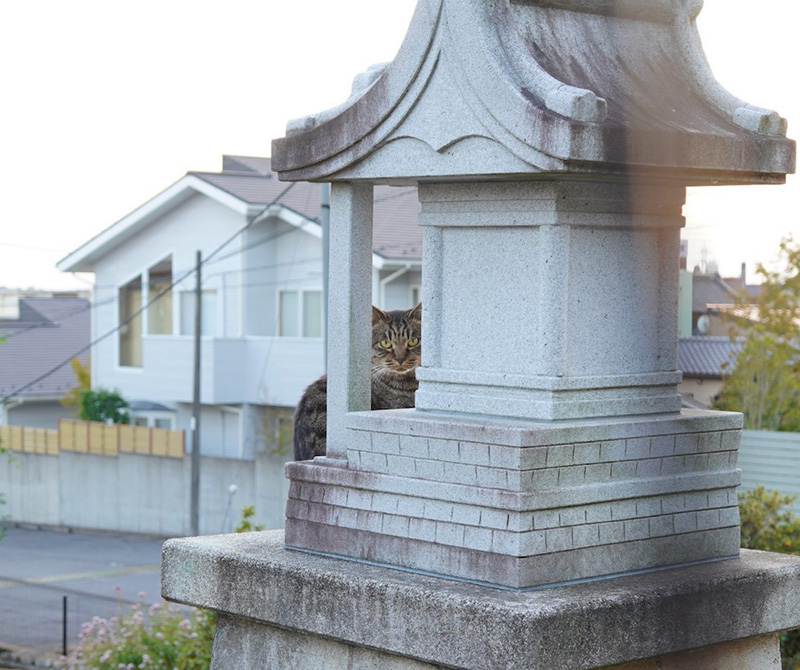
point(96, 572)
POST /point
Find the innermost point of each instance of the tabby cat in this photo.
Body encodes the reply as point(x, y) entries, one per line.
point(395, 357)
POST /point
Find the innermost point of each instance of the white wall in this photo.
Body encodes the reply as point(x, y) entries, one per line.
point(198, 223)
point(139, 494)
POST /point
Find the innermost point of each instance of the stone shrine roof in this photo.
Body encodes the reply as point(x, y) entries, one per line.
point(524, 87)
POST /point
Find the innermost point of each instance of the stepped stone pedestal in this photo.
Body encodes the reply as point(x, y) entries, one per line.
point(547, 504)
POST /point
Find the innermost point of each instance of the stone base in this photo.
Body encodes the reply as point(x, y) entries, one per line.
point(286, 609)
point(522, 504)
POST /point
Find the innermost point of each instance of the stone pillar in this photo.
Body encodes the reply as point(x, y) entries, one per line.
point(572, 304)
point(350, 290)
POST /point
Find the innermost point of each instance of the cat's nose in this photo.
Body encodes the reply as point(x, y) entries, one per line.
point(401, 355)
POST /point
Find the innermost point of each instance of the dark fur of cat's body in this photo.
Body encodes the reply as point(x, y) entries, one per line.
point(395, 356)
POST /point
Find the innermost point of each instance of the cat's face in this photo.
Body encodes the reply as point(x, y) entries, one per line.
point(396, 340)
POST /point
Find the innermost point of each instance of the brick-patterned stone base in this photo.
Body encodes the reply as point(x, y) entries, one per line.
point(522, 504)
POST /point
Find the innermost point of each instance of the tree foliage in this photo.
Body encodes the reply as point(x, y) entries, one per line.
point(103, 405)
point(72, 398)
point(764, 383)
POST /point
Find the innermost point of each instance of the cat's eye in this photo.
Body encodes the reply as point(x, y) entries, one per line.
point(413, 342)
point(386, 344)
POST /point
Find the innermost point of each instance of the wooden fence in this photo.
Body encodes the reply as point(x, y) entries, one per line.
point(91, 437)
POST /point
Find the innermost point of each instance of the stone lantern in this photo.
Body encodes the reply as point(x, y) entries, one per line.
point(552, 142)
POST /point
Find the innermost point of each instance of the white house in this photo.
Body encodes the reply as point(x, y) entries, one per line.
point(262, 315)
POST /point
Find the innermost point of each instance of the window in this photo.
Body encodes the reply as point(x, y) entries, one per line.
point(416, 295)
point(208, 316)
point(130, 323)
point(300, 313)
point(159, 313)
point(153, 420)
point(312, 314)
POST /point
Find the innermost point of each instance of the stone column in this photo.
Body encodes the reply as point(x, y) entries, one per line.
point(571, 310)
point(350, 291)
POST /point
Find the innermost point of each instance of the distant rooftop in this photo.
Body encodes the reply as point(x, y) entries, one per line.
point(396, 234)
point(47, 332)
point(708, 357)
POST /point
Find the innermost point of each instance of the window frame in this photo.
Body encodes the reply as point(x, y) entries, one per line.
point(301, 320)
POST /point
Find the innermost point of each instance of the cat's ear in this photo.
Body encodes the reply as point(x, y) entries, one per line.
point(416, 313)
point(378, 315)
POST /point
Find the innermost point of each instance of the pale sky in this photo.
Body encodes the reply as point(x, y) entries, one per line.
point(106, 103)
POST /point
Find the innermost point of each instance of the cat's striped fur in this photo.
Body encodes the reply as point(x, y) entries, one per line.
point(396, 346)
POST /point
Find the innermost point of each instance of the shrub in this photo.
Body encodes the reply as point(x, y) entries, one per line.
point(766, 525)
point(159, 637)
point(245, 525)
point(103, 405)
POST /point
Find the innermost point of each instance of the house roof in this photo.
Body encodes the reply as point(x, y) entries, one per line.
point(396, 234)
point(710, 290)
point(706, 356)
point(247, 183)
point(47, 332)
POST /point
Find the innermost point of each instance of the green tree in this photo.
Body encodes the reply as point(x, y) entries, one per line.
point(103, 405)
point(764, 383)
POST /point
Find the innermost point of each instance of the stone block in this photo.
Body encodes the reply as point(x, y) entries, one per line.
point(572, 516)
point(685, 522)
point(395, 525)
point(597, 473)
point(662, 525)
point(546, 519)
point(469, 515)
point(560, 454)
point(587, 453)
point(624, 509)
point(571, 475)
point(648, 507)
point(662, 445)
point(474, 453)
point(384, 502)
point(384, 443)
point(611, 532)
point(423, 529)
point(685, 444)
point(479, 539)
point(401, 465)
point(444, 450)
point(494, 519)
point(585, 536)
point(438, 510)
point(492, 478)
point(413, 446)
point(372, 461)
point(637, 447)
point(544, 479)
point(450, 533)
point(427, 469)
point(558, 539)
point(597, 513)
point(612, 450)
point(636, 529)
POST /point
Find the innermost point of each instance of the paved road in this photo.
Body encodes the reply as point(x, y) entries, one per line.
point(94, 570)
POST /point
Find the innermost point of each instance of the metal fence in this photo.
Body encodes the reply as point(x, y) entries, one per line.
point(47, 619)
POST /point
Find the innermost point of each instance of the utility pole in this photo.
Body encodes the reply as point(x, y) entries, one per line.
point(325, 220)
point(194, 507)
